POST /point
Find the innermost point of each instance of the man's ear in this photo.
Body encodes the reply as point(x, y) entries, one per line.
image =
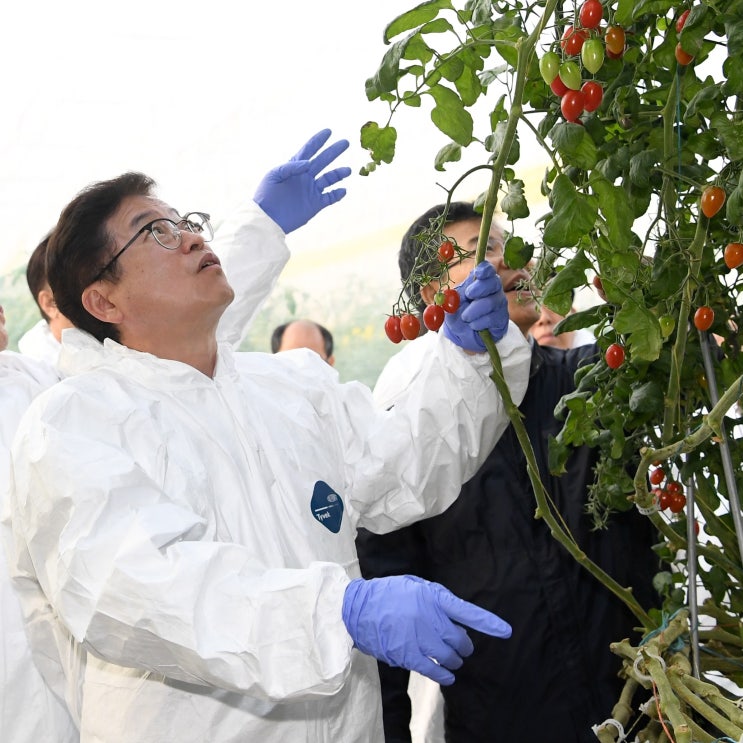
point(46, 301)
point(98, 304)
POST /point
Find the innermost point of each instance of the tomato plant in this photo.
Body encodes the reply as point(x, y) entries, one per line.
point(704, 317)
point(392, 328)
point(446, 251)
point(410, 327)
point(590, 14)
point(713, 197)
point(451, 300)
point(733, 255)
point(614, 356)
point(433, 316)
point(626, 199)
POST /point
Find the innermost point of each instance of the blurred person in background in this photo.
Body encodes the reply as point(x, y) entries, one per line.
point(303, 334)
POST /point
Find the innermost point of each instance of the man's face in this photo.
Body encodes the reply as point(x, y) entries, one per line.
point(183, 289)
point(543, 329)
point(522, 308)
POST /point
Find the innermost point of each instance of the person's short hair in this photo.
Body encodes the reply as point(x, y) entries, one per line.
point(80, 244)
point(278, 334)
point(36, 273)
point(410, 246)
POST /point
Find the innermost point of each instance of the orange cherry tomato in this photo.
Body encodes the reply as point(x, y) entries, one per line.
point(733, 255)
point(682, 57)
point(713, 197)
point(704, 317)
point(614, 38)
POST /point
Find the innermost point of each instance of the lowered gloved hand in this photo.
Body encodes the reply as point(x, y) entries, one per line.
point(483, 306)
point(407, 622)
point(292, 193)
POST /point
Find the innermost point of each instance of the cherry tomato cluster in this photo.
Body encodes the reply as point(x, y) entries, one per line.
point(407, 326)
point(671, 497)
point(587, 39)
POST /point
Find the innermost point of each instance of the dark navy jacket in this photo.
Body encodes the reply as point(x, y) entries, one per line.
point(555, 677)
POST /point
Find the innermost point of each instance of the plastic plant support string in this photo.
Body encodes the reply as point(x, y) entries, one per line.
point(615, 723)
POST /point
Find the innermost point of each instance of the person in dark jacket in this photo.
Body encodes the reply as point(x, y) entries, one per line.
point(556, 676)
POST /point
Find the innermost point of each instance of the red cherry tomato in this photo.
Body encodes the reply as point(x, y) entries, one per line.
point(657, 476)
point(614, 356)
point(558, 87)
point(614, 38)
point(682, 57)
point(681, 22)
point(704, 317)
point(572, 104)
point(446, 251)
point(451, 300)
point(433, 316)
point(713, 197)
point(572, 40)
point(410, 327)
point(392, 328)
point(674, 487)
point(678, 501)
point(593, 94)
point(590, 14)
point(733, 255)
point(664, 498)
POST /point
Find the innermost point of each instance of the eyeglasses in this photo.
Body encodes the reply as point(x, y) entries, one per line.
point(167, 233)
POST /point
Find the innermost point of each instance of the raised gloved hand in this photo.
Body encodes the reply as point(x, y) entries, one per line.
point(292, 193)
point(483, 306)
point(407, 622)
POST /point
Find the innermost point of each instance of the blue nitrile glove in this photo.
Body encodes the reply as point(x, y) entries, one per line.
point(292, 193)
point(483, 306)
point(406, 621)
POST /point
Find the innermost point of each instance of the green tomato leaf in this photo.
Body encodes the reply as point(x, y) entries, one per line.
point(468, 86)
point(623, 13)
point(514, 203)
point(641, 328)
point(730, 133)
point(583, 319)
point(450, 153)
point(574, 145)
point(516, 252)
point(422, 13)
point(573, 214)
point(617, 212)
point(647, 399)
point(559, 293)
point(380, 141)
point(450, 116)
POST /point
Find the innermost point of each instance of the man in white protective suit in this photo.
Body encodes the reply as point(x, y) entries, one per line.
point(252, 248)
point(184, 516)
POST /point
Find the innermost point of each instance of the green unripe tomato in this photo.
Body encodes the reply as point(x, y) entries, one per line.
point(667, 324)
point(592, 55)
point(549, 66)
point(570, 75)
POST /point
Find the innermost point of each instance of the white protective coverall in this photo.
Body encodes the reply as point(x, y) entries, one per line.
point(195, 535)
point(29, 711)
point(252, 250)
